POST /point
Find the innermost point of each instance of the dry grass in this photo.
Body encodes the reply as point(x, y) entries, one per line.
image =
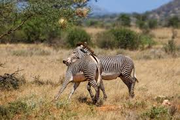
point(161, 35)
point(157, 77)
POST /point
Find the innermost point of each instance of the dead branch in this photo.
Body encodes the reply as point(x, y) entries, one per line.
point(16, 72)
point(2, 65)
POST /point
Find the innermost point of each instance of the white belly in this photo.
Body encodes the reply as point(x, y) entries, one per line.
point(79, 77)
point(109, 76)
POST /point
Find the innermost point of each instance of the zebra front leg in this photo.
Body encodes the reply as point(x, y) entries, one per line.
point(66, 82)
point(76, 84)
point(95, 86)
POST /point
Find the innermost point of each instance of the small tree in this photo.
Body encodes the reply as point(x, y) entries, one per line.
point(174, 22)
point(77, 35)
point(15, 13)
point(152, 23)
point(124, 20)
point(126, 38)
point(171, 47)
point(106, 40)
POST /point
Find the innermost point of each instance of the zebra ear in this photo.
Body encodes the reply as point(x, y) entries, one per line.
point(85, 43)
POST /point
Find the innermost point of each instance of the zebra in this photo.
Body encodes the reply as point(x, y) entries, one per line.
point(86, 69)
point(112, 67)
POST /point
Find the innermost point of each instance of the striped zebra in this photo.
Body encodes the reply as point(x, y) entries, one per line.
point(85, 69)
point(112, 67)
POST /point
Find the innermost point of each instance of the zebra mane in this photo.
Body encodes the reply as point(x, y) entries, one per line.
point(85, 47)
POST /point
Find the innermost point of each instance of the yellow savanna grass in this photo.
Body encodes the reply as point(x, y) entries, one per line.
point(157, 77)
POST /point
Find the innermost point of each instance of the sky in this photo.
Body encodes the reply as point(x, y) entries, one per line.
point(128, 6)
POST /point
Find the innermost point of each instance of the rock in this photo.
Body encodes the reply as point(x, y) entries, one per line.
point(166, 103)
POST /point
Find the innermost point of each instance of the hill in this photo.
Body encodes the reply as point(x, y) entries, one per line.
point(165, 11)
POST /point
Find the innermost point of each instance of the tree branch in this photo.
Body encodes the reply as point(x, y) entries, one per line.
point(16, 28)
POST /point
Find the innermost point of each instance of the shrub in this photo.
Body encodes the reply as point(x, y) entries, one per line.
point(10, 82)
point(171, 47)
point(157, 113)
point(125, 20)
point(152, 24)
point(77, 35)
point(126, 38)
point(141, 24)
point(174, 22)
point(38, 31)
point(13, 108)
point(146, 41)
point(106, 40)
point(92, 23)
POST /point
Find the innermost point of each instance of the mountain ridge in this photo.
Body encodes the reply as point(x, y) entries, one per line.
point(167, 10)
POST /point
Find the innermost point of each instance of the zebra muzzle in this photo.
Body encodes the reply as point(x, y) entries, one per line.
point(65, 62)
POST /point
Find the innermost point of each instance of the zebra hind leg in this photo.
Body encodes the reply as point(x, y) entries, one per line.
point(95, 86)
point(101, 87)
point(130, 83)
point(73, 90)
point(90, 91)
point(103, 90)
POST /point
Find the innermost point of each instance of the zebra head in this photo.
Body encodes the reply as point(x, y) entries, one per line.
point(79, 52)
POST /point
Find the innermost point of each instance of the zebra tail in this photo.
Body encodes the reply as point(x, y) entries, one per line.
point(134, 75)
point(99, 75)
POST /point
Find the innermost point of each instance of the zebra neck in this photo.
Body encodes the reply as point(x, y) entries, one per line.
point(75, 68)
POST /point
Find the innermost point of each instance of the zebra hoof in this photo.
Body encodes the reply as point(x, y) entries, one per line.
point(105, 98)
point(95, 102)
point(132, 95)
point(99, 103)
point(93, 98)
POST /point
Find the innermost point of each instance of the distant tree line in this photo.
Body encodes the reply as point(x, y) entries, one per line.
point(141, 21)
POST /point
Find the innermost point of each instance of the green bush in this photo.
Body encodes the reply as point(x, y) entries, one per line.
point(16, 37)
point(141, 24)
point(170, 47)
point(157, 113)
point(12, 109)
point(92, 23)
point(106, 40)
point(125, 20)
point(152, 24)
point(77, 35)
point(146, 41)
point(174, 22)
point(126, 38)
